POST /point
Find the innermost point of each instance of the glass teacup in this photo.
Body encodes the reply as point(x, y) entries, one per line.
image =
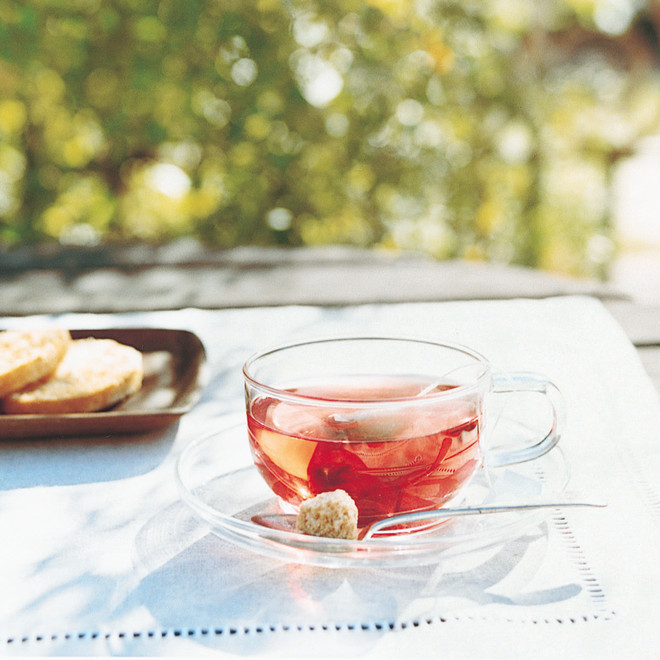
point(399, 424)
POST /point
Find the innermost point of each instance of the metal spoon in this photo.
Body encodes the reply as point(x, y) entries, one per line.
point(287, 521)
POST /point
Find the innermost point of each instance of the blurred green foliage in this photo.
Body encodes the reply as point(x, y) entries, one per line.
point(463, 128)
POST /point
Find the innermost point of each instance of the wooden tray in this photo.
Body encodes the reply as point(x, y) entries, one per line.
point(173, 362)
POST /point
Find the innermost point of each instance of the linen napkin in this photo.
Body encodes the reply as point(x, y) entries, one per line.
point(101, 556)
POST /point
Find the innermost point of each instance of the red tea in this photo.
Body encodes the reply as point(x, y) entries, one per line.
point(407, 456)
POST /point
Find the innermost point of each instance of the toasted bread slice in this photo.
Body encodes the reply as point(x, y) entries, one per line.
point(27, 356)
point(93, 375)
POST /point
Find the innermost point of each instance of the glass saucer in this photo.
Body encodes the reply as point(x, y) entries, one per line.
point(218, 480)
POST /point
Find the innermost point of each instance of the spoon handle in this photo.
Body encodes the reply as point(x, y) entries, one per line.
point(417, 516)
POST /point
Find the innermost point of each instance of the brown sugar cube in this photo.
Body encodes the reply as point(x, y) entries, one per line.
point(332, 514)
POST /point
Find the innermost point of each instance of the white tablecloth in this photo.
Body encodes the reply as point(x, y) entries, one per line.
point(99, 556)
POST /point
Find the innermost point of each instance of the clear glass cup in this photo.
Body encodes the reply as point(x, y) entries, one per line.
point(399, 424)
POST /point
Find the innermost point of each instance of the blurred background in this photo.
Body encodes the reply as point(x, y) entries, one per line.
point(505, 131)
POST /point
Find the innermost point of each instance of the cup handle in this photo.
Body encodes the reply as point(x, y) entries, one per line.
point(529, 382)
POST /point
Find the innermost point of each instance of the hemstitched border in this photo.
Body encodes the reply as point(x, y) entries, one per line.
point(233, 631)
